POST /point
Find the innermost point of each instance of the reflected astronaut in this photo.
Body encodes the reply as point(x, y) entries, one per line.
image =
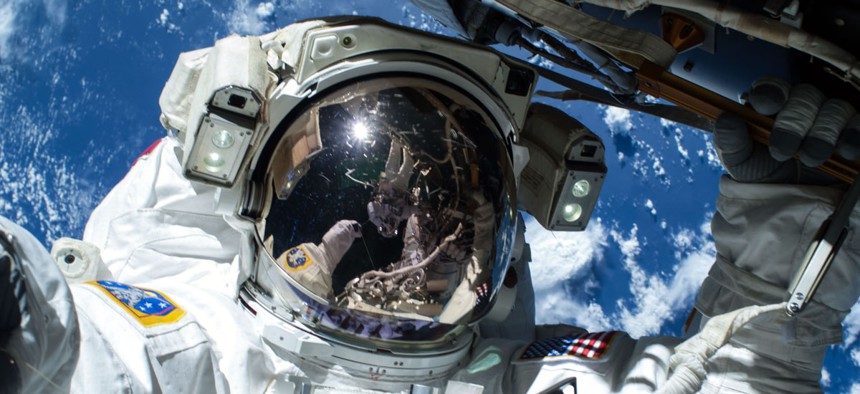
point(404, 156)
point(391, 201)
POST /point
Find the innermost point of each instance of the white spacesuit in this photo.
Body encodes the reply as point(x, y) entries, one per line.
point(282, 149)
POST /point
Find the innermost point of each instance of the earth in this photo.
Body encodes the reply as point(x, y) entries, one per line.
point(79, 87)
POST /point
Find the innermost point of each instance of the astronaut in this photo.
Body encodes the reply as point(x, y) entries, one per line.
point(391, 202)
point(278, 141)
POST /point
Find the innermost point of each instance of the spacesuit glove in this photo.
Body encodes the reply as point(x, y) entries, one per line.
point(453, 246)
point(806, 125)
point(338, 239)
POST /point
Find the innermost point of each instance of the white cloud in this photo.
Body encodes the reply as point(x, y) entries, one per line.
point(649, 163)
point(646, 290)
point(678, 142)
point(164, 20)
point(851, 332)
point(42, 190)
point(56, 11)
point(15, 13)
point(541, 61)
point(658, 168)
point(557, 306)
point(570, 252)
point(246, 18)
point(265, 10)
point(851, 325)
point(655, 298)
point(650, 205)
point(666, 123)
point(617, 119)
point(855, 356)
point(7, 27)
point(825, 377)
point(564, 258)
point(711, 152)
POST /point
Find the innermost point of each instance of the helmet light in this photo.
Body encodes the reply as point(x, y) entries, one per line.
point(561, 182)
point(223, 137)
point(581, 188)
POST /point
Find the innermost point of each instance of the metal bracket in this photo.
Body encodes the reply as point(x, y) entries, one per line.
point(821, 252)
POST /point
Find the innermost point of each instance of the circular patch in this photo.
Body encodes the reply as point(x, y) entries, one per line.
point(296, 259)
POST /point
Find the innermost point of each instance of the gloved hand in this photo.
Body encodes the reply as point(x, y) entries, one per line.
point(458, 244)
point(338, 239)
point(806, 125)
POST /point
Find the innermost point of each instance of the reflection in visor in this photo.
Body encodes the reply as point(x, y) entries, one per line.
point(422, 172)
point(372, 326)
point(339, 320)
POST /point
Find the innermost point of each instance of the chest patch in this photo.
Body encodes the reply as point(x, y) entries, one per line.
point(591, 345)
point(148, 307)
point(296, 259)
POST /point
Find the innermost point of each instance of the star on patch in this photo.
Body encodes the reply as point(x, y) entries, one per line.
point(149, 307)
point(147, 302)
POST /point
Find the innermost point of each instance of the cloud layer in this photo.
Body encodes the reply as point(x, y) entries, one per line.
point(567, 258)
point(15, 14)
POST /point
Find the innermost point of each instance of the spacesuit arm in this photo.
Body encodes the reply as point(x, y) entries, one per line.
point(100, 336)
point(761, 234)
point(44, 339)
point(312, 264)
point(156, 224)
point(762, 231)
point(337, 240)
point(465, 296)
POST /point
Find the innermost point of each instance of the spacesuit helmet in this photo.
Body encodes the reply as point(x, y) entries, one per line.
point(422, 170)
point(381, 156)
point(418, 161)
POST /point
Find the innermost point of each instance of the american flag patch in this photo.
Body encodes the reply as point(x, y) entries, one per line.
point(592, 345)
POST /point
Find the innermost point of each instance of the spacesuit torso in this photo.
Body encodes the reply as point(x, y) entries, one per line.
point(169, 318)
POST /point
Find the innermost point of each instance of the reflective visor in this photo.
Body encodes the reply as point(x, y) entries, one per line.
point(391, 210)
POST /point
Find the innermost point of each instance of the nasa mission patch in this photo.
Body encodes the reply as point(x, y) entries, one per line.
point(148, 307)
point(296, 259)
